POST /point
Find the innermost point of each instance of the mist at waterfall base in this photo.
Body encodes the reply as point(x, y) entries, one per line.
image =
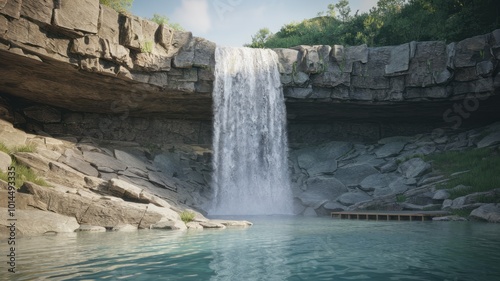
point(250, 144)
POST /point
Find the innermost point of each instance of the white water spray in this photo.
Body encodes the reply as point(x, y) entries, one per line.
point(251, 174)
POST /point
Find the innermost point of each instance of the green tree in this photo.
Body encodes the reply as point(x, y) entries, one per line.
point(344, 10)
point(119, 5)
point(159, 19)
point(260, 38)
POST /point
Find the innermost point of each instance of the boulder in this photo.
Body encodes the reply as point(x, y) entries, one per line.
point(487, 212)
point(309, 212)
point(399, 60)
point(414, 167)
point(10, 136)
point(97, 212)
point(334, 207)
point(377, 181)
point(353, 175)
point(101, 160)
point(123, 189)
point(352, 198)
point(77, 16)
point(38, 10)
point(489, 140)
point(135, 160)
point(321, 190)
point(5, 161)
point(321, 168)
point(390, 149)
point(11, 8)
point(388, 167)
point(441, 195)
point(37, 222)
point(310, 156)
point(76, 162)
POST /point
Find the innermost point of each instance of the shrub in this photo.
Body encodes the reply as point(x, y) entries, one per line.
point(187, 216)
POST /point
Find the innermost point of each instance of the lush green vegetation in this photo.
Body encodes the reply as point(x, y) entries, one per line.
point(483, 166)
point(121, 6)
point(23, 173)
point(187, 216)
point(391, 22)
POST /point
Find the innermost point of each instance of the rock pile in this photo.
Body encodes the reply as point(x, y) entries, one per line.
point(389, 175)
point(112, 186)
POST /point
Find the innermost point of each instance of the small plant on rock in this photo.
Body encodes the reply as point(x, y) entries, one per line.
point(187, 216)
point(400, 198)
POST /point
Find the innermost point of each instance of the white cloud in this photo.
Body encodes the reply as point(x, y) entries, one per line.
point(194, 16)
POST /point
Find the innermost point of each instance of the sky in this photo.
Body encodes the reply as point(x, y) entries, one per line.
point(233, 22)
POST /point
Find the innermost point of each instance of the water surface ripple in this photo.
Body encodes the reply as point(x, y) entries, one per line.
point(275, 248)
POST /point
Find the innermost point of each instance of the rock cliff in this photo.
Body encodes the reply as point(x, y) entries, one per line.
point(86, 57)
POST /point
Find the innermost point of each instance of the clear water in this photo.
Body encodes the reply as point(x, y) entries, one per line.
point(250, 140)
point(275, 248)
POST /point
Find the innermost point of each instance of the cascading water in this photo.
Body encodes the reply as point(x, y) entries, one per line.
point(251, 174)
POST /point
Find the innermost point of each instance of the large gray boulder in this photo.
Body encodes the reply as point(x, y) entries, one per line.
point(135, 160)
point(390, 149)
point(487, 212)
point(308, 157)
point(352, 198)
point(377, 181)
point(321, 190)
point(353, 175)
point(103, 161)
point(75, 161)
point(322, 168)
point(414, 167)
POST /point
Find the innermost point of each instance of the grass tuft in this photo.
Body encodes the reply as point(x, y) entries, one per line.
point(187, 216)
point(4, 148)
point(24, 148)
point(484, 166)
point(23, 174)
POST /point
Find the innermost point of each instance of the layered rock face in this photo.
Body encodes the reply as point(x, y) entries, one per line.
point(85, 57)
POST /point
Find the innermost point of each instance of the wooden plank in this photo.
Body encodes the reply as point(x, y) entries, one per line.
point(389, 215)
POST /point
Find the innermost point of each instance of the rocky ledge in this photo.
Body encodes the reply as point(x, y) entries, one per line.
point(113, 186)
point(86, 57)
point(394, 174)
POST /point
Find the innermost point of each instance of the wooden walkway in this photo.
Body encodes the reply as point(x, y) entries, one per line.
point(389, 215)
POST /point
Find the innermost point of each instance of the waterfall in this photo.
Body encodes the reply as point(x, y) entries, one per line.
point(250, 163)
